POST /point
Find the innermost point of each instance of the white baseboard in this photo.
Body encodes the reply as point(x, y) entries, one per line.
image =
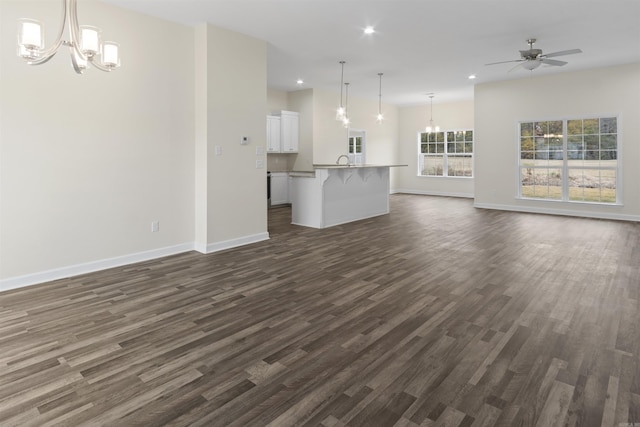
point(103, 264)
point(90, 267)
point(229, 244)
point(431, 193)
point(563, 212)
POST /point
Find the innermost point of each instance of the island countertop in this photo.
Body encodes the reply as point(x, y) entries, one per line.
point(366, 165)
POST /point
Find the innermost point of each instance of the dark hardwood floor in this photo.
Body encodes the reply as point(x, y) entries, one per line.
point(438, 314)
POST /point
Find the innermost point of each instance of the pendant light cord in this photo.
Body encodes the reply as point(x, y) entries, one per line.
point(346, 101)
point(380, 95)
point(341, 81)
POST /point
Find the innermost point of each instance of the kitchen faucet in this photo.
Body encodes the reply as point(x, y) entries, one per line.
point(341, 156)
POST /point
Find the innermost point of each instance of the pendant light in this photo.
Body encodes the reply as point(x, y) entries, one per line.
point(431, 127)
point(345, 120)
point(379, 118)
point(340, 112)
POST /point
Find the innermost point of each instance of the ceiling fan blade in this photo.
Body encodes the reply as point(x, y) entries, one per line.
point(562, 53)
point(505, 62)
point(516, 67)
point(554, 62)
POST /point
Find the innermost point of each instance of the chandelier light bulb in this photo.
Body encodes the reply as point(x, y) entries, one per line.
point(89, 40)
point(31, 34)
point(30, 38)
point(110, 56)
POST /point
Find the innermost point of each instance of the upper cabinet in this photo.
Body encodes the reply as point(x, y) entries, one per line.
point(283, 132)
point(289, 128)
point(273, 134)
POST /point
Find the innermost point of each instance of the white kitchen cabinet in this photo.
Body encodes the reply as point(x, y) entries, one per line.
point(283, 132)
point(289, 131)
point(274, 144)
point(279, 188)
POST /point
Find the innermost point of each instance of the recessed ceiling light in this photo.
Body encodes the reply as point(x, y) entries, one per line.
point(299, 82)
point(472, 76)
point(369, 30)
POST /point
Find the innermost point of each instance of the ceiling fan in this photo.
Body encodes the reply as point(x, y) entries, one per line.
point(533, 58)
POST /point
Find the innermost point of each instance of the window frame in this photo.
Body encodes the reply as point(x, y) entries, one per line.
point(565, 168)
point(445, 155)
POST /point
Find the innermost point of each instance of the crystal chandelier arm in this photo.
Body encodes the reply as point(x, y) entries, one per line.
point(47, 54)
point(77, 56)
point(74, 31)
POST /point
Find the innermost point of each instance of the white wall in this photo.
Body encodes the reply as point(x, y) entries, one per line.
point(500, 106)
point(88, 161)
point(413, 120)
point(232, 100)
point(276, 100)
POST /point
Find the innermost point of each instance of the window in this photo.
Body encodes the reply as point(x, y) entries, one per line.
point(569, 160)
point(355, 145)
point(357, 142)
point(446, 153)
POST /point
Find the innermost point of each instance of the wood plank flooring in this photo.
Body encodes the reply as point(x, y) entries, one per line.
point(437, 314)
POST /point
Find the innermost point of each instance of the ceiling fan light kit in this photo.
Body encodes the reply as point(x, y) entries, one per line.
point(531, 58)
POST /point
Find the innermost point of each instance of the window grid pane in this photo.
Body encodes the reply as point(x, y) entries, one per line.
point(446, 153)
point(433, 165)
point(459, 165)
point(541, 183)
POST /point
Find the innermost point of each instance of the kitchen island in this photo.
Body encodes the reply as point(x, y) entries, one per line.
point(337, 194)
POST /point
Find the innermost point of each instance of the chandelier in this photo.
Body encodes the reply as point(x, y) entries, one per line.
point(85, 42)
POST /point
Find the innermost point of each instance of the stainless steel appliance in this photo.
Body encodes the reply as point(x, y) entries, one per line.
point(268, 189)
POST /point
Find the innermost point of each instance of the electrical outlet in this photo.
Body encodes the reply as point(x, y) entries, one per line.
point(155, 226)
point(218, 150)
point(259, 164)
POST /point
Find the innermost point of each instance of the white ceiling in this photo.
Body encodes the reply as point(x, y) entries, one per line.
point(421, 46)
